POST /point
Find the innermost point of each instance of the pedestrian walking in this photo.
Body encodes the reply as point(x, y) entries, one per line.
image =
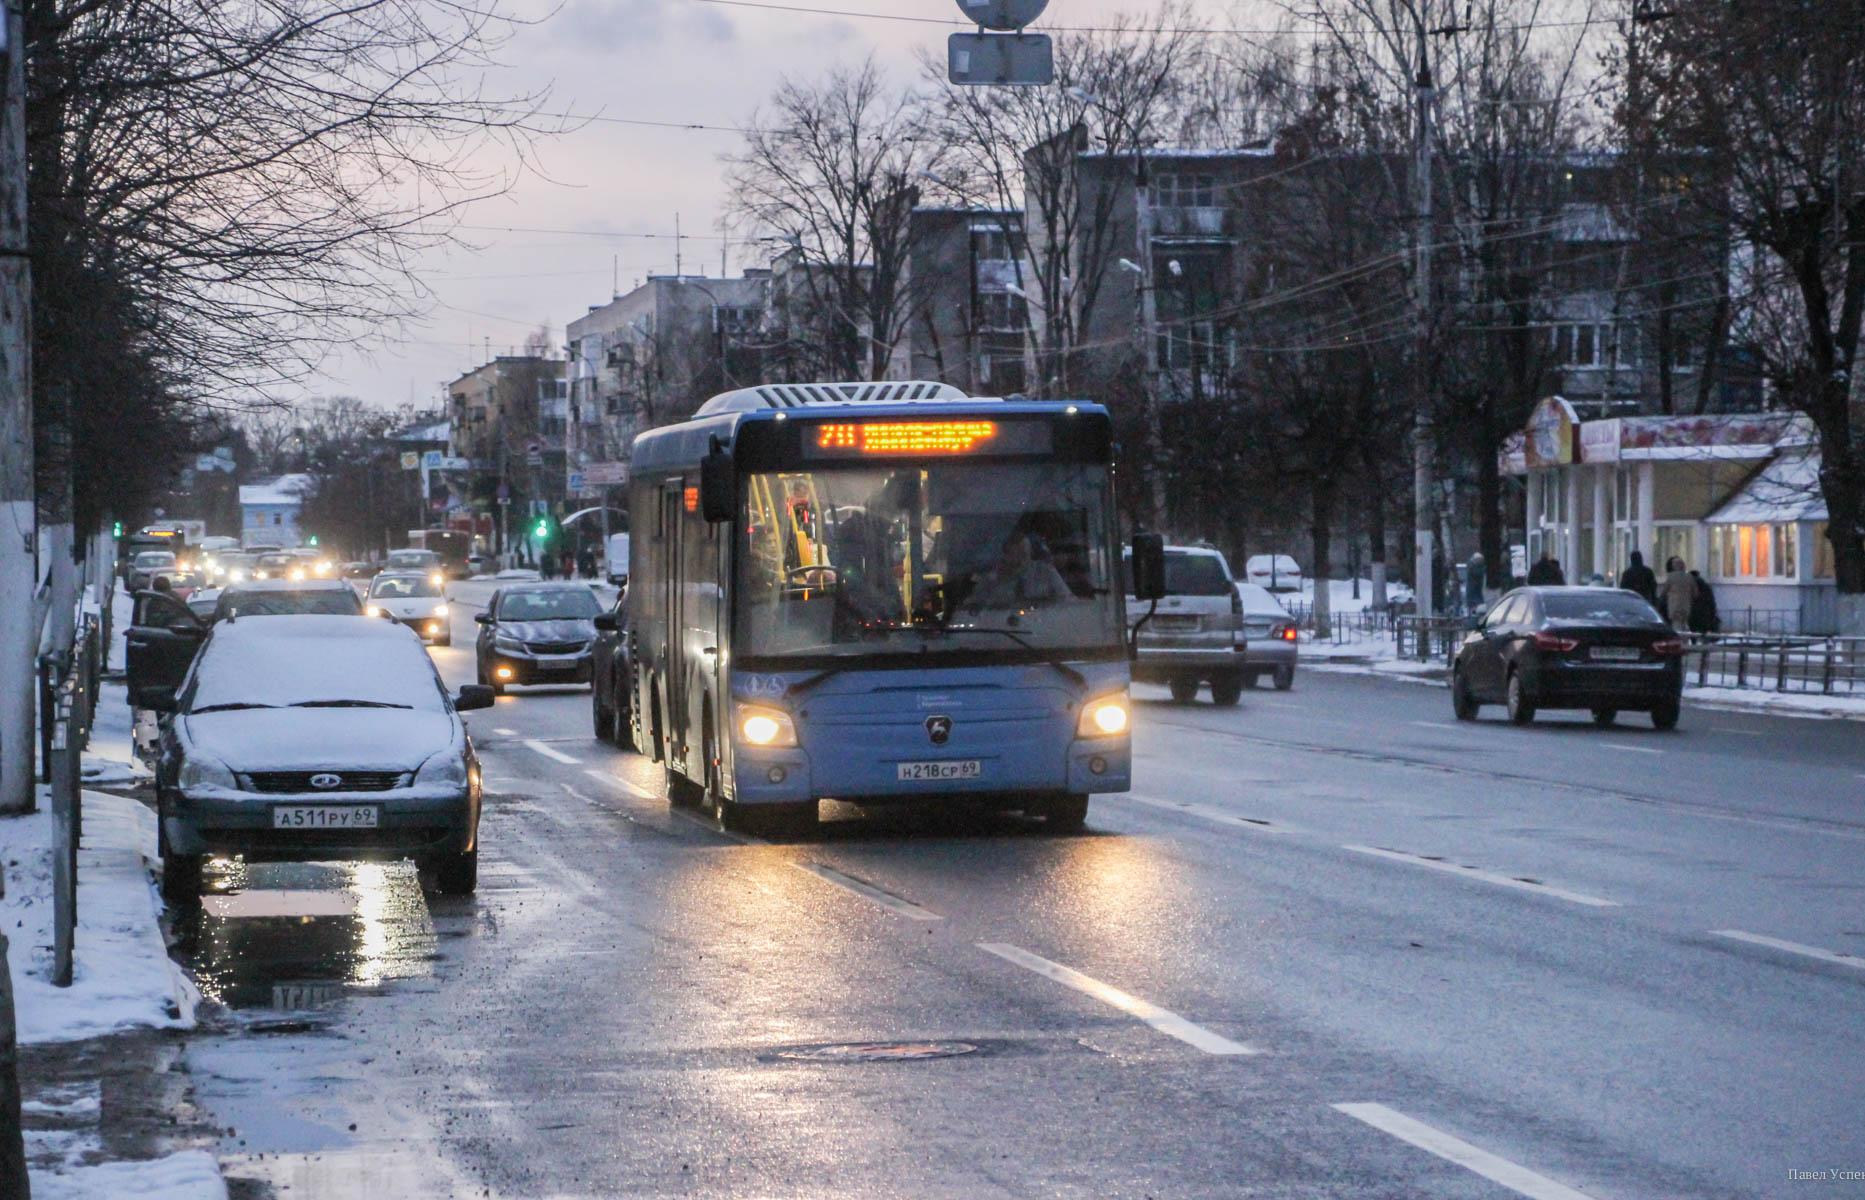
point(1704, 619)
point(1680, 593)
point(1640, 578)
point(586, 563)
point(1546, 572)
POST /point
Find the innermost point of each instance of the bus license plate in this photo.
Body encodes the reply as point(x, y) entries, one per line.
point(933, 772)
point(307, 816)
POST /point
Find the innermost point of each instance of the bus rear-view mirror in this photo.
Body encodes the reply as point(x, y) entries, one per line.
point(717, 498)
point(1149, 566)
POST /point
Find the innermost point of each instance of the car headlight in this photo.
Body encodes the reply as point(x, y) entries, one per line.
point(446, 769)
point(199, 771)
point(437, 579)
point(440, 610)
point(759, 725)
point(297, 573)
point(1103, 717)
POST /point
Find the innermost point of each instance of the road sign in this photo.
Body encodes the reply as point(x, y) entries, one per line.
point(440, 460)
point(534, 454)
point(1001, 59)
point(1005, 16)
point(410, 461)
point(606, 474)
point(578, 485)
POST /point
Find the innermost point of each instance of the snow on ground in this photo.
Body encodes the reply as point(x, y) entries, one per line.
point(121, 974)
point(190, 1175)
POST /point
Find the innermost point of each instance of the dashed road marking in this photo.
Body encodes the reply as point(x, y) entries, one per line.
point(1622, 747)
point(550, 752)
point(1525, 885)
point(1168, 1023)
point(868, 891)
point(506, 732)
point(1738, 732)
point(1805, 951)
point(1496, 1169)
point(633, 789)
point(1206, 812)
point(1432, 724)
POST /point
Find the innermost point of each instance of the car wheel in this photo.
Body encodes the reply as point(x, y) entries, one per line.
point(621, 728)
point(603, 719)
point(1184, 691)
point(1254, 679)
point(1521, 708)
point(1227, 690)
point(1463, 702)
point(1605, 716)
point(1665, 715)
point(457, 874)
point(1065, 814)
point(1285, 678)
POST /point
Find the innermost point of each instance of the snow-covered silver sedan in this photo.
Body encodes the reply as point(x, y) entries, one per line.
point(315, 738)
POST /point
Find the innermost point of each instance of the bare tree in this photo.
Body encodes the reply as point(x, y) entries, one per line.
point(833, 169)
point(1767, 104)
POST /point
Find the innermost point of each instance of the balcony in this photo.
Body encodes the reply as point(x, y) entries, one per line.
point(1199, 222)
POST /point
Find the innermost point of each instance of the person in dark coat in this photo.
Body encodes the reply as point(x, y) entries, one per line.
point(1703, 615)
point(1641, 579)
point(1546, 572)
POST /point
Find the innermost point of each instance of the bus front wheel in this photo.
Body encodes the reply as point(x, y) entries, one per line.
point(1065, 814)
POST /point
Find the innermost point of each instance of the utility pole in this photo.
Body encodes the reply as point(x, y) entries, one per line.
point(1424, 488)
point(18, 515)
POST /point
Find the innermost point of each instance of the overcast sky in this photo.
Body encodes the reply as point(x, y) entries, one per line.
point(661, 60)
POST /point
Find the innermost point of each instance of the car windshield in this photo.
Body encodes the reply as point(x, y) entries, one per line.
point(317, 670)
point(555, 604)
point(1601, 607)
point(1260, 600)
point(155, 558)
point(1195, 575)
point(273, 561)
point(413, 558)
point(955, 556)
point(402, 587)
point(335, 602)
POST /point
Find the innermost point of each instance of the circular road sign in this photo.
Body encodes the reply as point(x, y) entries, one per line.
point(1005, 16)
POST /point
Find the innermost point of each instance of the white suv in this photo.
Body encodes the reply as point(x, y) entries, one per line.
point(1196, 636)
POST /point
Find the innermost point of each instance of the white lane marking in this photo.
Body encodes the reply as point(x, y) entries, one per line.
point(506, 732)
point(1759, 939)
point(1540, 889)
point(1168, 1023)
point(1496, 1169)
point(550, 752)
point(1621, 746)
point(1208, 813)
point(1738, 732)
point(1432, 724)
point(868, 891)
point(633, 789)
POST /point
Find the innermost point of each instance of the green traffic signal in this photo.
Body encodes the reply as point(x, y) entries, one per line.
point(314, 539)
point(116, 529)
point(543, 528)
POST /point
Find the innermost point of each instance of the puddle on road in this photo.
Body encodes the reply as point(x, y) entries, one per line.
point(295, 937)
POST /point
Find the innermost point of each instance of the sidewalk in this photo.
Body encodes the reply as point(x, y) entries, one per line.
point(100, 1058)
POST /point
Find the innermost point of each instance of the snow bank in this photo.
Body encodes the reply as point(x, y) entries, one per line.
point(190, 1175)
point(121, 977)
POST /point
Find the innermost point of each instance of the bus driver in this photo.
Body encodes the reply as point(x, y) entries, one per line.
point(1018, 579)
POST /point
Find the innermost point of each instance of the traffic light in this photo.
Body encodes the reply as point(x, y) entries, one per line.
point(542, 532)
point(116, 529)
point(314, 539)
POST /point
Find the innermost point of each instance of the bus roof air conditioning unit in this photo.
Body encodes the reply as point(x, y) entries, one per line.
point(806, 395)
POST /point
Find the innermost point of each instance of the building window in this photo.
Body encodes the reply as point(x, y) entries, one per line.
point(991, 242)
point(1593, 344)
point(1002, 311)
point(1822, 553)
point(737, 318)
point(1177, 189)
point(1757, 552)
point(1201, 344)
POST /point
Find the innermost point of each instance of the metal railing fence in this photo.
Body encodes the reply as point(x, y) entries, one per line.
point(1824, 666)
point(75, 675)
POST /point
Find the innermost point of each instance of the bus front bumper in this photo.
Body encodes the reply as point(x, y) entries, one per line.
point(785, 776)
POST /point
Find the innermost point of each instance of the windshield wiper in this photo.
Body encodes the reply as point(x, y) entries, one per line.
point(348, 704)
point(236, 706)
point(1068, 672)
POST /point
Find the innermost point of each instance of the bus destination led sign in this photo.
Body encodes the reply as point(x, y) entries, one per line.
point(904, 437)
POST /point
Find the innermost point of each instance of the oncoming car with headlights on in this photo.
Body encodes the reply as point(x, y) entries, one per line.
point(309, 738)
point(537, 633)
point(412, 598)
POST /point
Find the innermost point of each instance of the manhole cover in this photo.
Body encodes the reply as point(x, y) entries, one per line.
point(281, 1025)
point(879, 1052)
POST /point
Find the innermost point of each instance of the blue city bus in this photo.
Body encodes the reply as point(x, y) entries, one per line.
point(879, 592)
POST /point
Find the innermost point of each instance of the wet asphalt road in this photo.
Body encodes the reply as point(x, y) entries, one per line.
point(1334, 945)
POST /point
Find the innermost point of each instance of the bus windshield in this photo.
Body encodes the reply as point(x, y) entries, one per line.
point(951, 556)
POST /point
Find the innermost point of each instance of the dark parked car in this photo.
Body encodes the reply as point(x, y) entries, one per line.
point(611, 680)
point(537, 633)
point(310, 739)
point(1599, 649)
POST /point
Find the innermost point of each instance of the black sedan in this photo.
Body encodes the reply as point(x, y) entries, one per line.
point(1597, 649)
point(611, 683)
point(537, 633)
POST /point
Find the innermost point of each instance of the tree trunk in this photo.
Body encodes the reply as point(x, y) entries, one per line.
point(13, 1181)
point(1321, 530)
point(1490, 534)
point(18, 638)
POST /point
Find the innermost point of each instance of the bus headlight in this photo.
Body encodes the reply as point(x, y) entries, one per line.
point(761, 726)
point(1103, 716)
